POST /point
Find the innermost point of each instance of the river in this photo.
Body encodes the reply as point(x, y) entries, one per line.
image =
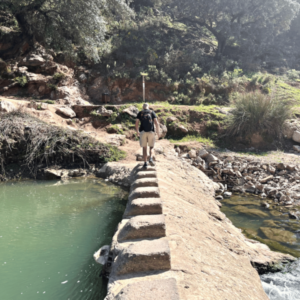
point(273, 227)
point(48, 233)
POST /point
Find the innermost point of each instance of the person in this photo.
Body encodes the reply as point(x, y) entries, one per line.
point(145, 121)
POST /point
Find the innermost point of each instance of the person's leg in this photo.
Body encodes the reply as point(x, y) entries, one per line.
point(151, 145)
point(145, 154)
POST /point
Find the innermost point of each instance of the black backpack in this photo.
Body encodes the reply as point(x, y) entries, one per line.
point(146, 120)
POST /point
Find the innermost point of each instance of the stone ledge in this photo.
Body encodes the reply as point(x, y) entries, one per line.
point(165, 289)
point(144, 182)
point(144, 192)
point(143, 256)
point(146, 174)
point(145, 206)
point(143, 227)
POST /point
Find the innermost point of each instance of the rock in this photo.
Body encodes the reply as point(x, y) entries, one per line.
point(265, 204)
point(103, 112)
point(163, 130)
point(281, 166)
point(279, 235)
point(36, 78)
point(203, 153)
point(55, 174)
point(66, 111)
point(211, 158)
point(177, 149)
point(263, 195)
point(296, 148)
point(32, 60)
point(182, 129)
point(227, 194)
point(296, 136)
point(82, 78)
point(266, 179)
point(131, 111)
point(7, 106)
point(3, 66)
point(192, 154)
point(219, 197)
point(250, 211)
point(294, 215)
point(116, 140)
point(271, 169)
point(171, 119)
point(289, 127)
point(77, 173)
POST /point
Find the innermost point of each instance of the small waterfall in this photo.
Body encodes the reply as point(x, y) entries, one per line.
point(284, 285)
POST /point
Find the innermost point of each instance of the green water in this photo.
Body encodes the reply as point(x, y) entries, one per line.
point(48, 234)
point(271, 226)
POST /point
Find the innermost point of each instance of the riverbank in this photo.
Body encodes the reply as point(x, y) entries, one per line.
point(210, 258)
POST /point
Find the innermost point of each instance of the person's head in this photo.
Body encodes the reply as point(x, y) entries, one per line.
point(146, 106)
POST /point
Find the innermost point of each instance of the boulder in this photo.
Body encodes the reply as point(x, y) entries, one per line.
point(182, 129)
point(227, 194)
point(296, 148)
point(116, 140)
point(289, 127)
point(192, 154)
point(32, 60)
point(171, 119)
point(131, 111)
point(211, 158)
point(162, 131)
point(279, 235)
point(266, 179)
point(7, 106)
point(37, 78)
point(294, 215)
point(66, 111)
point(103, 112)
point(296, 136)
point(203, 153)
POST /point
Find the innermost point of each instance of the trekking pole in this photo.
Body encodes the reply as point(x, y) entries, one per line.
point(144, 74)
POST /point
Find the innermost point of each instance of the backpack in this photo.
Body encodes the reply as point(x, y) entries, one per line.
point(146, 120)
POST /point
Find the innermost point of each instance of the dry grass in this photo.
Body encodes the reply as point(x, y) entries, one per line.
point(26, 140)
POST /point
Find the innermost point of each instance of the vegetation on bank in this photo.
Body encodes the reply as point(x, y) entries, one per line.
point(33, 144)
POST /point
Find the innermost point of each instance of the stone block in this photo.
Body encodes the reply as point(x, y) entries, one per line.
point(162, 289)
point(144, 182)
point(143, 256)
point(144, 192)
point(146, 174)
point(143, 227)
point(146, 206)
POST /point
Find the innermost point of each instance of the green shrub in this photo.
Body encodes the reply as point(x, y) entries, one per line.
point(258, 113)
point(58, 76)
point(22, 81)
point(52, 87)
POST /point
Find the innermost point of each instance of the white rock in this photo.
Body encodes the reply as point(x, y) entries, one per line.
point(192, 154)
point(203, 153)
point(296, 148)
point(67, 111)
point(296, 136)
point(227, 194)
point(6, 106)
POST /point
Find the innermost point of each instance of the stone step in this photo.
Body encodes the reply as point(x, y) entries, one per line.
point(144, 192)
point(162, 289)
point(149, 168)
point(144, 206)
point(146, 174)
point(143, 227)
point(143, 256)
point(144, 182)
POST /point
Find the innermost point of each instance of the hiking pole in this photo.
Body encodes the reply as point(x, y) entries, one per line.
point(144, 74)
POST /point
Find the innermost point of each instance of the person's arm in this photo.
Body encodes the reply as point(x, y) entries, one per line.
point(137, 124)
point(156, 126)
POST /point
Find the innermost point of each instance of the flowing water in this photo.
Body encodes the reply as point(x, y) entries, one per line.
point(48, 234)
point(273, 227)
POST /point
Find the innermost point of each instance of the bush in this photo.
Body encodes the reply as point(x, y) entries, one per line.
point(58, 76)
point(22, 81)
point(258, 113)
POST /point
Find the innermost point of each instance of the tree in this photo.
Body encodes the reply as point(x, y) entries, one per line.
point(61, 24)
point(251, 24)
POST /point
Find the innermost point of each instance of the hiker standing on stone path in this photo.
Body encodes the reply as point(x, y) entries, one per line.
point(147, 119)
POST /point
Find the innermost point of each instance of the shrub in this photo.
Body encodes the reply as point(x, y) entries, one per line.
point(258, 113)
point(58, 76)
point(52, 87)
point(22, 81)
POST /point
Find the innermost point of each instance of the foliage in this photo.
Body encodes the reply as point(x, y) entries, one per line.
point(59, 76)
point(250, 24)
point(52, 86)
point(22, 81)
point(258, 113)
point(193, 138)
point(61, 24)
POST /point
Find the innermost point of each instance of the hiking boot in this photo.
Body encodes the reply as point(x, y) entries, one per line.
point(151, 162)
point(145, 166)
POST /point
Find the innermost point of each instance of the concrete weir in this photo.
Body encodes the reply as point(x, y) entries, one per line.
point(141, 250)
